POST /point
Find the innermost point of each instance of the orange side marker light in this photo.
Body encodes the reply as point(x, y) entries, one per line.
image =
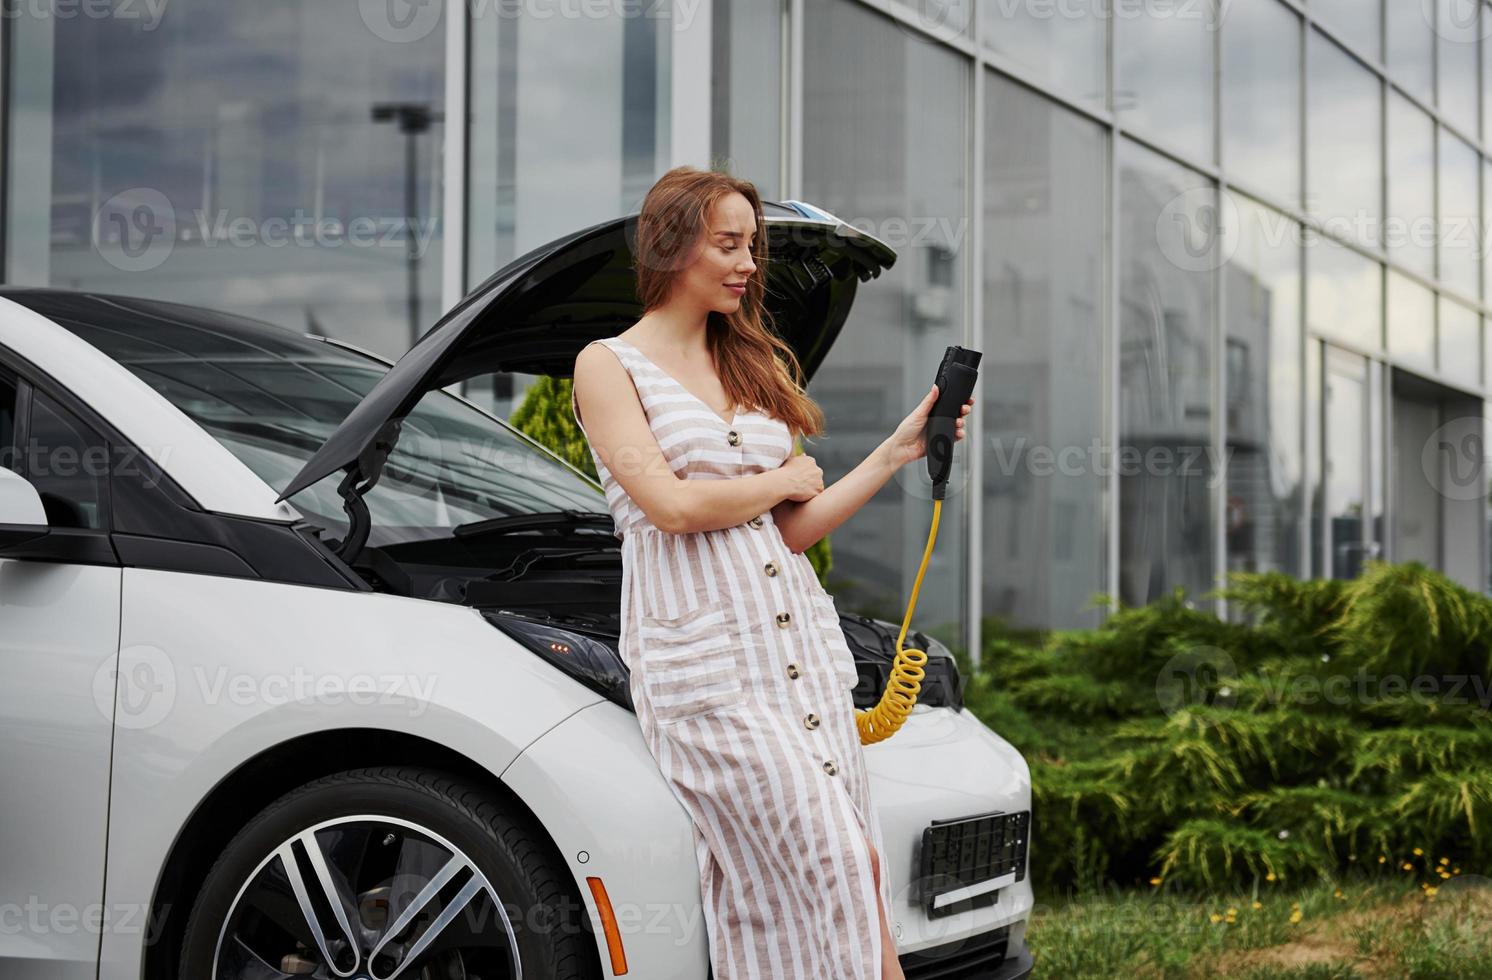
point(608, 925)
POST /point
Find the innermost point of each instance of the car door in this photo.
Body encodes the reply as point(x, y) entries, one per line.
point(59, 641)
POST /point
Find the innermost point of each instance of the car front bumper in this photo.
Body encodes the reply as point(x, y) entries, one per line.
point(597, 791)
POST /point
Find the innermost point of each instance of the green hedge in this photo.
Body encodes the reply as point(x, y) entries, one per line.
point(1342, 725)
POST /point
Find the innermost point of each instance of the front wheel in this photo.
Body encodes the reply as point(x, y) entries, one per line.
point(384, 873)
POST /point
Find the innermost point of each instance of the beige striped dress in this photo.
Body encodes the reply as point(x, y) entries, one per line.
point(741, 677)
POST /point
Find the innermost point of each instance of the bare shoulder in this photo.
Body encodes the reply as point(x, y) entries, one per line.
point(602, 382)
point(597, 361)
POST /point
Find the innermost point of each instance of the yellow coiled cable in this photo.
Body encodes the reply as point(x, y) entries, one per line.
point(905, 683)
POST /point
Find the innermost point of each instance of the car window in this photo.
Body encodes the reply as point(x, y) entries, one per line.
point(272, 397)
point(8, 390)
point(67, 462)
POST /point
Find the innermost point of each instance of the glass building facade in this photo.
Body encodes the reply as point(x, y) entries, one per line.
point(1226, 261)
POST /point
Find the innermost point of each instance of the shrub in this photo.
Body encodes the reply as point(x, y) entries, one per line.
point(1341, 722)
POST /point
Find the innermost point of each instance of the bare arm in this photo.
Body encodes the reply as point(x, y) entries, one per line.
point(803, 523)
point(618, 430)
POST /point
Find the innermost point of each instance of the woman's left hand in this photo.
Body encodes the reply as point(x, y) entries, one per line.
point(909, 441)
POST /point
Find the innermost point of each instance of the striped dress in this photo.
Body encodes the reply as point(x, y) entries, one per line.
point(741, 677)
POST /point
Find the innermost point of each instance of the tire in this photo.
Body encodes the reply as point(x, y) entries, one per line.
point(383, 835)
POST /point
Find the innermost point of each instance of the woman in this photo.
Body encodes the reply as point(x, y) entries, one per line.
point(739, 671)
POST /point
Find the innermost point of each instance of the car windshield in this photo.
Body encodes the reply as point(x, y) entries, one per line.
point(273, 397)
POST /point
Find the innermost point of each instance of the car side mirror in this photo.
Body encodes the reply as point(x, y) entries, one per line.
point(22, 517)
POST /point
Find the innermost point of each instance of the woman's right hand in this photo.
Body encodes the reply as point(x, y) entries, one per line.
point(801, 478)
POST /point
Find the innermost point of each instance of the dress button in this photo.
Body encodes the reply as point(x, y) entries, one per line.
point(733, 437)
point(755, 521)
point(770, 568)
point(783, 619)
point(830, 767)
point(792, 671)
point(810, 721)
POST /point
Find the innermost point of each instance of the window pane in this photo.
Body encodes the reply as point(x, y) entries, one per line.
point(1411, 47)
point(1457, 33)
point(8, 457)
point(68, 464)
point(1043, 495)
point(1263, 360)
point(1064, 45)
point(1343, 293)
point(885, 119)
point(1261, 142)
point(547, 155)
point(1459, 260)
point(746, 115)
point(1344, 166)
point(228, 155)
point(569, 127)
point(1346, 406)
point(1411, 322)
point(1167, 252)
point(1410, 232)
point(1164, 76)
point(1486, 134)
point(1354, 21)
point(1460, 343)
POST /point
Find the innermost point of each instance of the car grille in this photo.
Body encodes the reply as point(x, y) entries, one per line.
point(974, 958)
point(965, 853)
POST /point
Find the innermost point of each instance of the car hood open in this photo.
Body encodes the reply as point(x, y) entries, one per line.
point(535, 314)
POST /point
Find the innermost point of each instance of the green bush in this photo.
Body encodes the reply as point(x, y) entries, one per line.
point(545, 417)
point(1342, 725)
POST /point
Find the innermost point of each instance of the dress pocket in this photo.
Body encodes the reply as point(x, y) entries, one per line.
point(826, 624)
point(690, 663)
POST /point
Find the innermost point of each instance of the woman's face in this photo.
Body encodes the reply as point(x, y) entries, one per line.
point(716, 279)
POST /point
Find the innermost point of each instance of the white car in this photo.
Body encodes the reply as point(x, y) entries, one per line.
point(310, 666)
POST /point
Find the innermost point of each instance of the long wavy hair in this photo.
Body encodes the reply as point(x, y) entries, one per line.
point(756, 367)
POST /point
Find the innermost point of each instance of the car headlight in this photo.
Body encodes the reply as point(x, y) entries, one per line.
point(592, 661)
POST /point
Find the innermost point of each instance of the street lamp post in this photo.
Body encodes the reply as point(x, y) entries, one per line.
point(413, 119)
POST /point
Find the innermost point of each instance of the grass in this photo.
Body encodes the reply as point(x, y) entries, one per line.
point(1378, 927)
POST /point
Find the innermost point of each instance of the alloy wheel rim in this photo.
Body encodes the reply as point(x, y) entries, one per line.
point(366, 897)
